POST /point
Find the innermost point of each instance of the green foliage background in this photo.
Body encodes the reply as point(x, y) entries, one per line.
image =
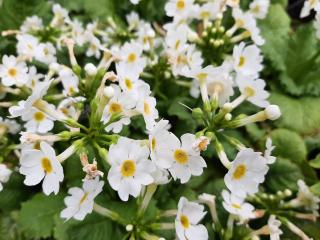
point(292, 72)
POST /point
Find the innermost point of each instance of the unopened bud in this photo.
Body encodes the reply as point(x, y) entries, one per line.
point(129, 227)
point(272, 112)
point(108, 92)
point(90, 69)
point(228, 117)
point(197, 113)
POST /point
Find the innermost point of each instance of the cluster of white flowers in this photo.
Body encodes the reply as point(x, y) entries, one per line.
point(136, 167)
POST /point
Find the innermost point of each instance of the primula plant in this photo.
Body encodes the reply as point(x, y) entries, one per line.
point(155, 119)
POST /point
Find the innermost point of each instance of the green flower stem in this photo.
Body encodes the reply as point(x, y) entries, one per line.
point(114, 216)
point(162, 226)
point(151, 189)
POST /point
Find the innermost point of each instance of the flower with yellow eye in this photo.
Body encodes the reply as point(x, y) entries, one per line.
point(179, 8)
point(13, 72)
point(81, 200)
point(237, 206)
point(38, 121)
point(42, 164)
point(130, 167)
point(119, 104)
point(259, 8)
point(131, 54)
point(187, 221)
point(247, 59)
point(248, 170)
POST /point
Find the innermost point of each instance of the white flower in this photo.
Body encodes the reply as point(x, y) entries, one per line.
point(94, 47)
point(38, 121)
point(253, 90)
point(46, 53)
point(246, 173)
point(209, 10)
point(9, 125)
point(31, 24)
point(237, 206)
point(259, 8)
point(201, 144)
point(4, 175)
point(42, 164)
point(274, 229)
point(13, 72)
point(146, 35)
point(179, 8)
point(61, 15)
point(27, 45)
point(69, 81)
point(247, 59)
point(147, 107)
point(179, 158)
point(130, 167)
point(306, 198)
point(133, 20)
point(176, 40)
point(119, 104)
point(33, 77)
point(308, 6)
point(267, 154)
point(81, 201)
point(187, 221)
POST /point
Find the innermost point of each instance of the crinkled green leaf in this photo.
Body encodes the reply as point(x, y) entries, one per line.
point(283, 174)
point(289, 145)
point(299, 114)
point(316, 188)
point(36, 215)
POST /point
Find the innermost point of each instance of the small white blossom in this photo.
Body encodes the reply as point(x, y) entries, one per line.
point(13, 72)
point(5, 173)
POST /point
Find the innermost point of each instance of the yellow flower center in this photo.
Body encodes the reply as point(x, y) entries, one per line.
point(184, 221)
point(132, 57)
point(176, 46)
point(237, 206)
point(39, 116)
point(180, 4)
point(84, 197)
point(181, 156)
point(239, 22)
point(249, 92)
point(239, 172)
point(128, 83)
point(256, 9)
point(202, 76)
point(46, 165)
point(205, 14)
point(128, 168)
point(242, 61)
point(115, 108)
point(146, 108)
point(12, 72)
point(153, 144)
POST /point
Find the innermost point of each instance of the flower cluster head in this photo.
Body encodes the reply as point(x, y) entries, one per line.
point(106, 112)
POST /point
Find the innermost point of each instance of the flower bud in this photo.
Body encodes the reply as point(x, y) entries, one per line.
point(272, 112)
point(197, 113)
point(228, 117)
point(108, 92)
point(129, 228)
point(90, 69)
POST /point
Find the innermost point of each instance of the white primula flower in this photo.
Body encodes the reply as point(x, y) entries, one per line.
point(81, 200)
point(42, 164)
point(94, 48)
point(253, 90)
point(8, 125)
point(248, 170)
point(37, 121)
point(147, 106)
point(259, 8)
point(130, 167)
point(133, 20)
point(176, 40)
point(267, 153)
point(306, 198)
point(146, 35)
point(13, 72)
point(27, 45)
point(179, 158)
point(274, 228)
point(131, 54)
point(61, 16)
point(247, 59)
point(237, 206)
point(46, 53)
point(179, 8)
point(5, 173)
point(69, 81)
point(308, 6)
point(119, 104)
point(33, 77)
point(78, 32)
point(31, 24)
point(187, 221)
point(209, 11)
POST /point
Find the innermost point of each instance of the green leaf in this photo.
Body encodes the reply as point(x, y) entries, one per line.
point(275, 28)
point(289, 145)
point(283, 174)
point(315, 188)
point(36, 215)
point(315, 163)
point(301, 115)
